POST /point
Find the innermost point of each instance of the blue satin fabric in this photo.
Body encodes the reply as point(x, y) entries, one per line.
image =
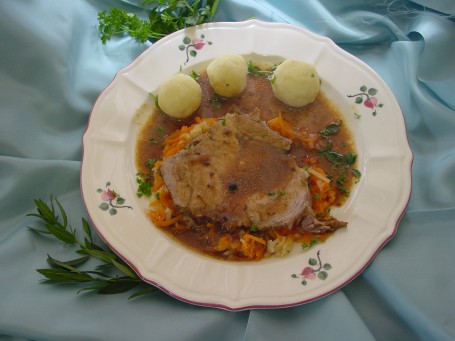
point(52, 68)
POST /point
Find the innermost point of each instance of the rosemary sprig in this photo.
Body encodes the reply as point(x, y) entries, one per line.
point(101, 279)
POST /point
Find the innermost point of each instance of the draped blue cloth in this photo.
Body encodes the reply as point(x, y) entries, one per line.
point(52, 68)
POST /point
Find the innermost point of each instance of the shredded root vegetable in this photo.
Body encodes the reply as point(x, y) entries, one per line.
point(162, 210)
point(308, 237)
point(245, 246)
point(281, 126)
point(321, 189)
point(253, 247)
point(319, 184)
point(285, 129)
point(176, 141)
point(319, 174)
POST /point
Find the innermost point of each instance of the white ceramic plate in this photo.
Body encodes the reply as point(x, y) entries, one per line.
point(373, 210)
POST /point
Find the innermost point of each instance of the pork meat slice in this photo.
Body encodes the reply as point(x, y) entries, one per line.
point(238, 173)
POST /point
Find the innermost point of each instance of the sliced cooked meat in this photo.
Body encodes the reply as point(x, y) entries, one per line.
point(309, 223)
point(238, 174)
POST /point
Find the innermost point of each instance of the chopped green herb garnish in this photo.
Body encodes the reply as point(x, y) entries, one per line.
point(215, 101)
point(349, 159)
point(313, 241)
point(356, 173)
point(331, 129)
point(336, 158)
point(195, 75)
point(150, 163)
point(144, 185)
point(341, 185)
point(155, 100)
point(257, 71)
point(333, 157)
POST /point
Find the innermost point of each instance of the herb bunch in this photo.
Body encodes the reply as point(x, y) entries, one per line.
point(164, 17)
point(101, 279)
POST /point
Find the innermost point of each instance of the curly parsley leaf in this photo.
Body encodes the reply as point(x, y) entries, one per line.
point(164, 17)
point(144, 185)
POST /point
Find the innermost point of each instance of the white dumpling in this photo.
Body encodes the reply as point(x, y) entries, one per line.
point(228, 74)
point(179, 96)
point(295, 83)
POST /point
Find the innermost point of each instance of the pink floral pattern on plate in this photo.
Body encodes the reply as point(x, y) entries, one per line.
point(314, 269)
point(192, 46)
point(367, 96)
point(111, 200)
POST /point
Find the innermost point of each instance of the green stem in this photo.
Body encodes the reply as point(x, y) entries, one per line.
point(213, 9)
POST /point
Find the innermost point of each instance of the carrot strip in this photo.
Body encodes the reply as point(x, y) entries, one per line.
point(322, 192)
point(175, 142)
point(286, 129)
point(257, 239)
point(168, 222)
point(281, 126)
point(223, 243)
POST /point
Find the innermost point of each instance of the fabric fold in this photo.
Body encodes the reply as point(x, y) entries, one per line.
point(52, 69)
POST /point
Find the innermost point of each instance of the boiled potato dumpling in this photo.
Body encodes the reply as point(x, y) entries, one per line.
point(227, 75)
point(179, 96)
point(295, 83)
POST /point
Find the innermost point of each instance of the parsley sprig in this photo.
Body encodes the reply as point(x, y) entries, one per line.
point(164, 17)
point(111, 276)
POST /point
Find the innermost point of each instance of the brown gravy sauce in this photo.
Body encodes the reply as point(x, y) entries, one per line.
point(258, 94)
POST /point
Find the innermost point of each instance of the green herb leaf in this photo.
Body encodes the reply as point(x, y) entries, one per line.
point(150, 163)
point(125, 269)
point(195, 75)
point(257, 71)
point(164, 18)
point(118, 286)
point(86, 228)
point(312, 242)
point(349, 159)
point(98, 280)
point(331, 129)
point(60, 275)
point(141, 292)
point(216, 101)
point(68, 265)
point(104, 256)
point(334, 157)
point(44, 212)
point(67, 237)
point(144, 187)
point(356, 173)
